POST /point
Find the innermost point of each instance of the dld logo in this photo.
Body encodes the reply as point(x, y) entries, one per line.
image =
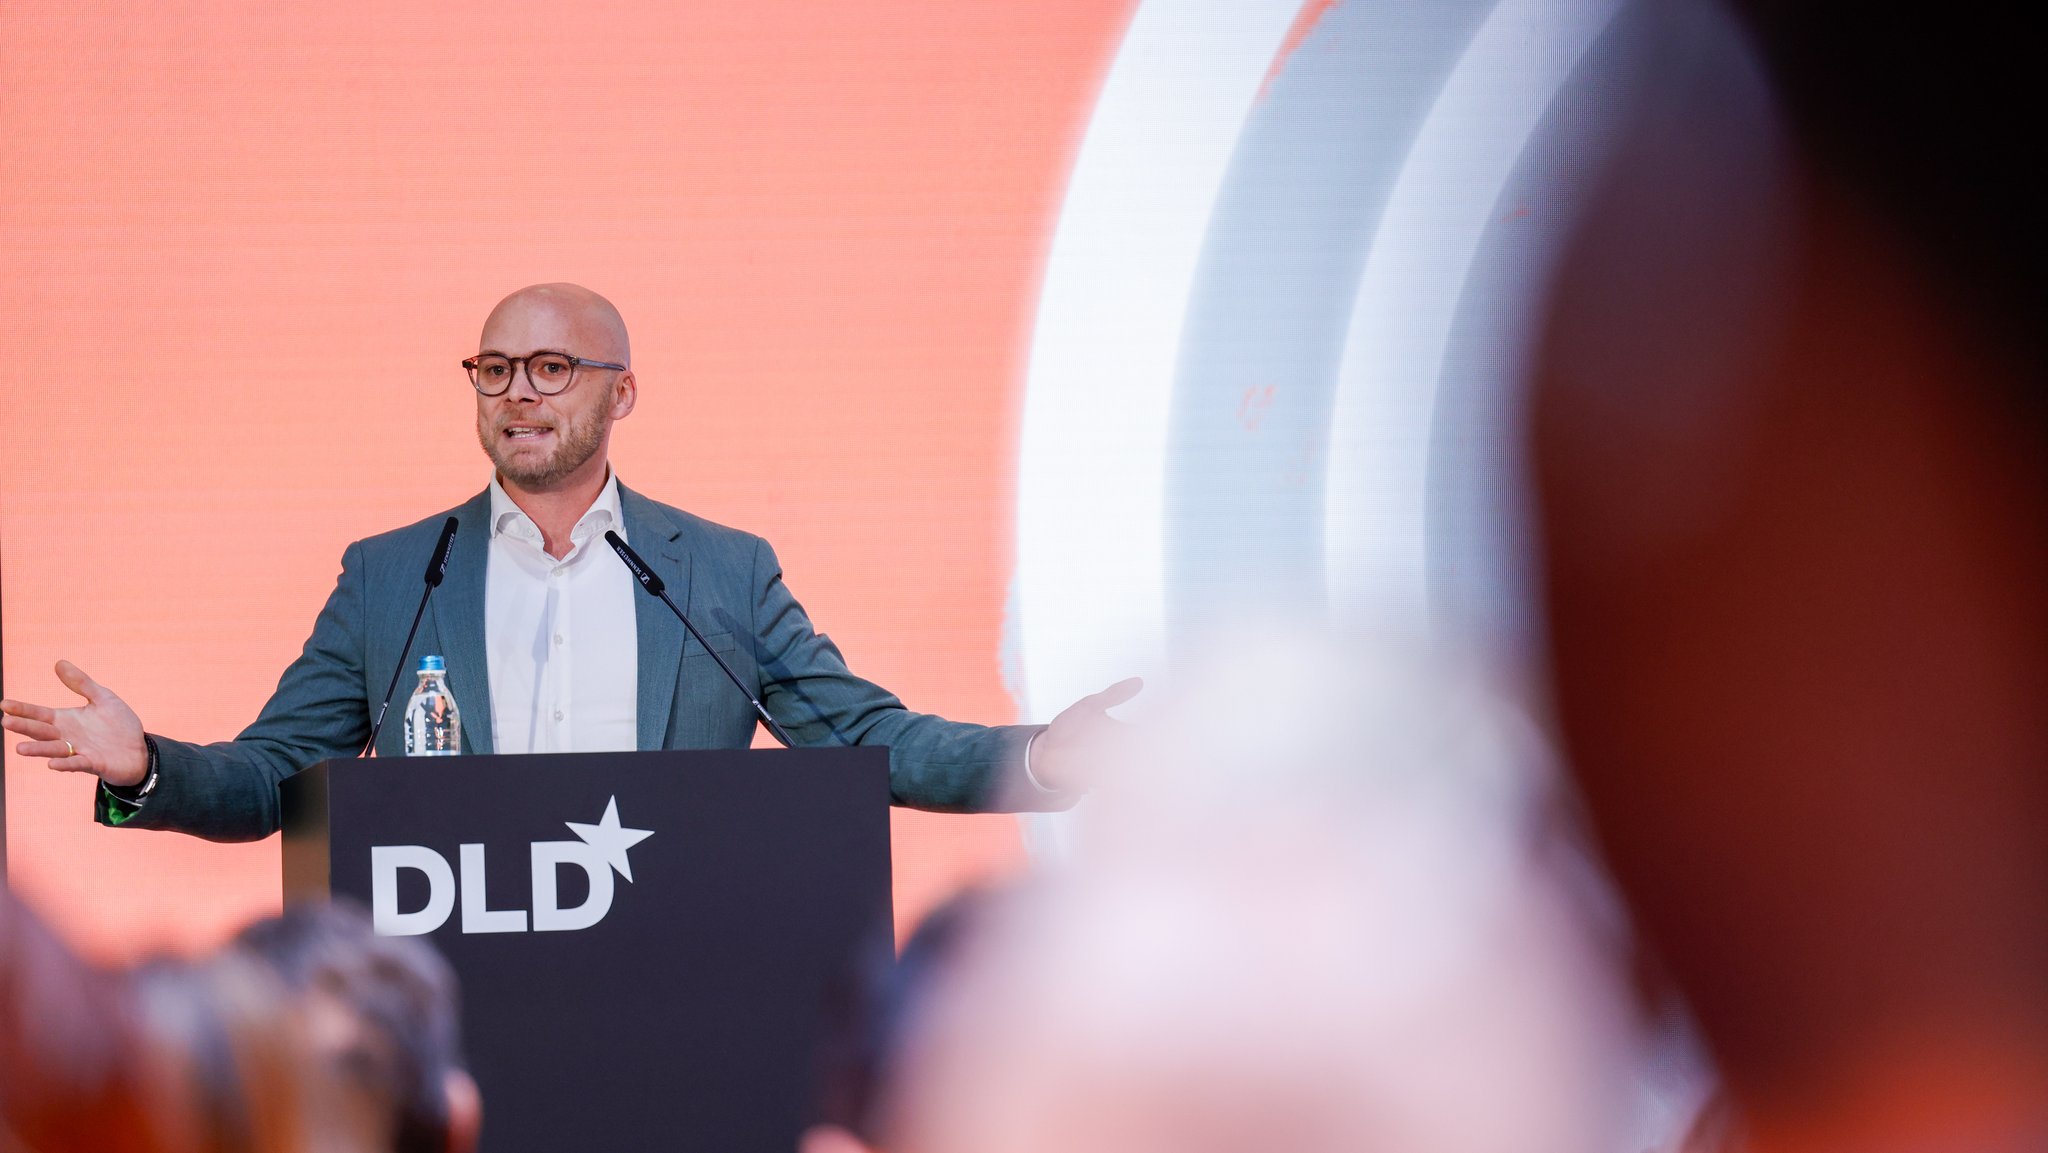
point(599, 851)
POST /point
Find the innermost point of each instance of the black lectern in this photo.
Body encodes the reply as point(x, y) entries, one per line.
point(645, 940)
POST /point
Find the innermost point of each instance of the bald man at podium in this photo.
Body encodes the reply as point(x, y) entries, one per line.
point(549, 645)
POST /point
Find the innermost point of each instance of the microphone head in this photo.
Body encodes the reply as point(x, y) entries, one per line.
point(646, 576)
point(437, 565)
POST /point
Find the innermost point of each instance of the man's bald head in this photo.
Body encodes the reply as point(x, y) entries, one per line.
point(555, 441)
point(589, 323)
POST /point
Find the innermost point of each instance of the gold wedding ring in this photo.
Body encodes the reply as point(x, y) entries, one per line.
point(69, 749)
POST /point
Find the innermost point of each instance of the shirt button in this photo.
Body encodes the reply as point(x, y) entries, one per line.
point(558, 715)
point(558, 638)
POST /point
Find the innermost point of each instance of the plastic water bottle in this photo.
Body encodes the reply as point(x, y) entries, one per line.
point(433, 727)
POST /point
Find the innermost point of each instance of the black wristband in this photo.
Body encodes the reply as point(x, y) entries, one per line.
point(137, 793)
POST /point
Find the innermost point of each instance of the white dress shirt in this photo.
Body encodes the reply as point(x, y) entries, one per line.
point(559, 634)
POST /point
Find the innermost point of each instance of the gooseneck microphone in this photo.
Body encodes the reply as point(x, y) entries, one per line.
point(437, 567)
point(654, 584)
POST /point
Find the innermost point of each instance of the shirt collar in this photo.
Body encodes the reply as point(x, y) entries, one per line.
point(602, 514)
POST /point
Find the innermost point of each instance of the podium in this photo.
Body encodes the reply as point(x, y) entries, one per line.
point(645, 940)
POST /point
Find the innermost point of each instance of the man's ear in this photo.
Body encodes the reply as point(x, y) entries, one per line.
point(465, 1111)
point(624, 393)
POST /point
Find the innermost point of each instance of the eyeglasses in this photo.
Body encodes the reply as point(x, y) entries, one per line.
point(548, 372)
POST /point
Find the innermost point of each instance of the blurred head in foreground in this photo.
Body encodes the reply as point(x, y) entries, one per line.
point(304, 1040)
point(382, 1019)
point(1789, 442)
point(1328, 915)
point(869, 1027)
point(246, 1080)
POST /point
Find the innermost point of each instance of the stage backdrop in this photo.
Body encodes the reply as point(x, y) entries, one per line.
point(245, 245)
point(1044, 339)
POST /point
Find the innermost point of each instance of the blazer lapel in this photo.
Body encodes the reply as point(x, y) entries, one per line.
point(660, 636)
point(458, 616)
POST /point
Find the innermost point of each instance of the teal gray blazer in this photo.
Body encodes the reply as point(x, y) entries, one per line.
point(729, 583)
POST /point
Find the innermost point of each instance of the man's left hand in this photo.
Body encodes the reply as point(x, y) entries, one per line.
point(1062, 755)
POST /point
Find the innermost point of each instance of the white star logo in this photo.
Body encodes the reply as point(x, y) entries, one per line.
point(609, 839)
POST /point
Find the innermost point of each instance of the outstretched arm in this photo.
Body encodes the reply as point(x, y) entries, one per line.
point(936, 764)
point(225, 791)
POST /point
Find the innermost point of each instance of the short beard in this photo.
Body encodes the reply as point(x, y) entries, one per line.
point(580, 439)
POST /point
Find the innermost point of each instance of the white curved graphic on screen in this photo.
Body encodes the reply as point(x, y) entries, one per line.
point(1091, 474)
point(1376, 491)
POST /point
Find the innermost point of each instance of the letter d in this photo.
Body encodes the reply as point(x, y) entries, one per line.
point(385, 861)
point(547, 855)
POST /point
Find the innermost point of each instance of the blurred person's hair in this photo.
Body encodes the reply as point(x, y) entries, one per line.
point(869, 1017)
point(248, 1078)
point(400, 1045)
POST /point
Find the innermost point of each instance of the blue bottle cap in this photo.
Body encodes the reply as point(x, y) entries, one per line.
point(433, 665)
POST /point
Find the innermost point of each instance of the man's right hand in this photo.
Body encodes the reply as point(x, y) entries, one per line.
point(102, 736)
